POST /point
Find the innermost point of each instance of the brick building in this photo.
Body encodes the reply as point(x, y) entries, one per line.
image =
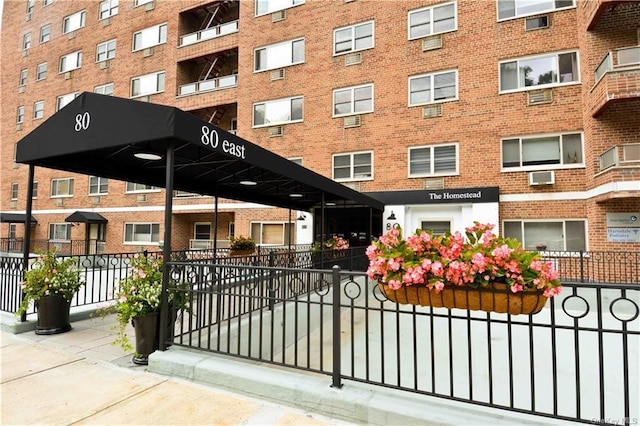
point(525, 114)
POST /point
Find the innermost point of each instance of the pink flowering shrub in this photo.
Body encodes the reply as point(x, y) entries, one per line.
point(337, 243)
point(476, 261)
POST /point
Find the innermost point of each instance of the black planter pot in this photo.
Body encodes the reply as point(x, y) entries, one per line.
point(146, 328)
point(53, 315)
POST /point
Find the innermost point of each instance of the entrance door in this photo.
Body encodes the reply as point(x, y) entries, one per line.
point(202, 236)
point(95, 234)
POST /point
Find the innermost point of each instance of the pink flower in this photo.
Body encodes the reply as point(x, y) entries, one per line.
point(553, 291)
point(515, 288)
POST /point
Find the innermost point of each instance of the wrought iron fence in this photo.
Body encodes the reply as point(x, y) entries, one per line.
point(576, 360)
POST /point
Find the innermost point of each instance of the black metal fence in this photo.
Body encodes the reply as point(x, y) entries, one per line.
point(576, 360)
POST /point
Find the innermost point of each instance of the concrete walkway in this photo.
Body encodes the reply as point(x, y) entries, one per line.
point(79, 377)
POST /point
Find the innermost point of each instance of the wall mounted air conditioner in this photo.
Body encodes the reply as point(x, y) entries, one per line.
point(432, 111)
point(106, 22)
point(13, 204)
point(432, 43)
point(141, 198)
point(277, 74)
point(147, 52)
point(280, 15)
point(353, 59)
point(539, 97)
point(59, 202)
point(150, 6)
point(71, 35)
point(276, 131)
point(104, 64)
point(536, 23)
point(352, 121)
point(541, 178)
point(95, 200)
point(68, 75)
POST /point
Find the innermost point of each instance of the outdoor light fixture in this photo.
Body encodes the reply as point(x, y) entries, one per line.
point(295, 195)
point(329, 204)
point(302, 216)
point(392, 216)
point(248, 183)
point(147, 156)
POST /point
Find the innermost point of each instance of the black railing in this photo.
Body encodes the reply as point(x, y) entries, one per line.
point(576, 360)
point(64, 248)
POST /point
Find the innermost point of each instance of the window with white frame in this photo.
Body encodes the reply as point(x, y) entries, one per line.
point(149, 37)
point(23, 78)
point(137, 3)
point(20, 115)
point(609, 158)
point(433, 160)
point(353, 166)
point(73, 22)
point(62, 187)
point(106, 51)
point(26, 41)
point(279, 111)
point(71, 62)
point(353, 100)
point(297, 160)
point(265, 233)
point(141, 233)
point(38, 110)
point(268, 6)
point(45, 33)
point(508, 9)
point(140, 187)
point(433, 88)
point(34, 190)
point(279, 55)
point(41, 71)
point(30, 5)
point(14, 190)
point(147, 84)
point(108, 8)
point(353, 38)
point(60, 231)
point(105, 89)
point(540, 71)
point(98, 185)
point(550, 151)
point(436, 19)
point(47, 2)
point(561, 235)
point(64, 100)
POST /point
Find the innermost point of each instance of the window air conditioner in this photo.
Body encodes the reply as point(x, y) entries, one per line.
point(538, 97)
point(536, 23)
point(432, 43)
point(276, 131)
point(541, 178)
point(277, 74)
point(141, 198)
point(352, 121)
point(95, 200)
point(59, 202)
point(432, 111)
point(150, 6)
point(68, 75)
point(353, 59)
point(104, 64)
point(147, 52)
point(280, 15)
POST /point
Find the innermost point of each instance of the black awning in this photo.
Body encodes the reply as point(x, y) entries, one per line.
point(86, 217)
point(99, 135)
point(15, 218)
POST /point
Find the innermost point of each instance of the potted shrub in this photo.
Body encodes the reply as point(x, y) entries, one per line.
point(241, 246)
point(331, 249)
point(50, 283)
point(482, 272)
point(138, 302)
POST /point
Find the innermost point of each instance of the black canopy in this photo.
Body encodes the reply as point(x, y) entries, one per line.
point(86, 217)
point(15, 218)
point(99, 135)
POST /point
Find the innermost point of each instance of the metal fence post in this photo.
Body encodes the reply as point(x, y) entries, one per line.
point(337, 372)
point(271, 294)
point(581, 266)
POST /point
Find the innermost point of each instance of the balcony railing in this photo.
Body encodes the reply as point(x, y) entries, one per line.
point(209, 33)
point(618, 58)
point(208, 85)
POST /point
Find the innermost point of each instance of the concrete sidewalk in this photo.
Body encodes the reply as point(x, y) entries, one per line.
point(79, 377)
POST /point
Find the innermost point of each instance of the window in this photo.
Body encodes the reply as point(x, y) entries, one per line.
point(64, 100)
point(141, 233)
point(353, 38)
point(137, 3)
point(353, 166)
point(60, 231)
point(148, 37)
point(514, 8)
point(30, 5)
point(14, 191)
point(73, 22)
point(609, 158)
point(45, 34)
point(432, 88)
point(147, 84)
point(569, 235)
point(437, 227)
point(105, 89)
point(353, 100)
point(98, 185)
point(35, 190)
point(62, 187)
point(280, 111)
point(106, 50)
point(202, 231)
point(41, 71)
point(38, 110)
point(270, 233)
point(108, 8)
point(47, 2)
point(20, 115)
point(433, 160)
point(432, 20)
point(297, 160)
point(26, 41)
point(279, 55)
point(71, 61)
point(539, 71)
point(268, 6)
point(23, 78)
point(540, 152)
point(140, 187)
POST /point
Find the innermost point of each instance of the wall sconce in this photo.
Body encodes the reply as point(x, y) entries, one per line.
point(392, 216)
point(302, 216)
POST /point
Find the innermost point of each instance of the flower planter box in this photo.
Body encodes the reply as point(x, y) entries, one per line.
point(493, 298)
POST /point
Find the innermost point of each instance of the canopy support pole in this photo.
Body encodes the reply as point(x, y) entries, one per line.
point(166, 250)
point(26, 243)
